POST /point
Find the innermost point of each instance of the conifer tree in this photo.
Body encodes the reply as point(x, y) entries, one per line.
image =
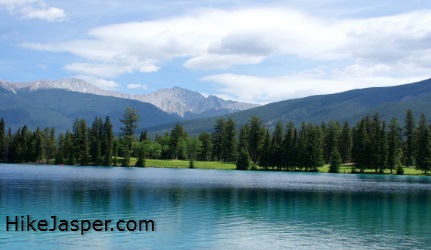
point(243, 162)
point(217, 139)
point(394, 145)
point(345, 143)
point(277, 146)
point(423, 160)
point(256, 137)
point(229, 141)
point(107, 142)
point(265, 158)
point(205, 146)
point(130, 123)
point(410, 138)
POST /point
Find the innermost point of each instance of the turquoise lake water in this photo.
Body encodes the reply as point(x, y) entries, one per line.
point(216, 209)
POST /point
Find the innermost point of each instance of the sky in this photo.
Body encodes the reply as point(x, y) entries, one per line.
point(250, 51)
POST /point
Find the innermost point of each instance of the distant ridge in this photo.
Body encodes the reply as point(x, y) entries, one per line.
point(178, 101)
point(347, 106)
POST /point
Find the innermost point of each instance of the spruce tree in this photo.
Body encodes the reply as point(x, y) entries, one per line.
point(217, 139)
point(265, 158)
point(335, 161)
point(423, 160)
point(277, 146)
point(130, 121)
point(107, 142)
point(228, 150)
point(141, 158)
point(205, 146)
point(394, 141)
point(410, 138)
point(289, 147)
point(243, 162)
point(256, 137)
point(345, 143)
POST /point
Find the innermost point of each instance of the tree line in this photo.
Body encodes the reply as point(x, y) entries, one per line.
point(369, 144)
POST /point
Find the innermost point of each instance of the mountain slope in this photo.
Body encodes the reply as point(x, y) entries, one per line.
point(59, 108)
point(178, 101)
point(346, 106)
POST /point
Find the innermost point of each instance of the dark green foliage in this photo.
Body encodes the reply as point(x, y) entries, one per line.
point(423, 160)
point(59, 158)
point(289, 147)
point(255, 137)
point(243, 138)
point(394, 145)
point(410, 138)
point(205, 147)
point(265, 158)
point(141, 158)
point(335, 161)
point(81, 143)
point(277, 146)
point(191, 163)
point(345, 143)
point(228, 142)
point(107, 142)
point(243, 162)
point(217, 139)
point(130, 123)
point(177, 143)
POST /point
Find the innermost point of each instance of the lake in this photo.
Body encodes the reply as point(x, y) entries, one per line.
point(216, 209)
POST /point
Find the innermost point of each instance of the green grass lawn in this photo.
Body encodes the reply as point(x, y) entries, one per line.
point(231, 165)
point(185, 164)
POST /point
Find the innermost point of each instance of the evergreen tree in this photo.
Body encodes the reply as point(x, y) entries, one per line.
point(141, 158)
point(315, 148)
point(191, 163)
point(130, 123)
point(331, 140)
point(289, 147)
point(205, 146)
point(335, 161)
point(243, 138)
point(217, 139)
point(394, 145)
point(2, 141)
point(265, 158)
point(107, 142)
point(360, 146)
point(37, 146)
point(96, 142)
point(423, 160)
point(243, 162)
point(303, 142)
point(144, 136)
point(277, 146)
point(80, 142)
point(256, 137)
point(59, 158)
point(176, 140)
point(410, 138)
point(69, 152)
point(345, 143)
point(229, 141)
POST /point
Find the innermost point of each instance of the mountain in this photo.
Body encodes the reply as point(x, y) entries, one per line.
point(346, 106)
point(58, 108)
point(178, 101)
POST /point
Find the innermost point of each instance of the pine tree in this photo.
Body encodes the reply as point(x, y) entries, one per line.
point(176, 140)
point(107, 142)
point(229, 141)
point(410, 138)
point(345, 143)
point(243, 162)
point(331, 139)
point(205, 147)
point(243, 138)
point(81, 143)
point(277, 146)
point(335, 161)
point(360, 146)
point(59, 158)
point(315, 148)
point(256, 137)
point(96, 142)
point(217, 139)
point(289, 147)
point(265, 158)
point(394, 145)
point(130, 123)
point(141, 158)
point(423, 160)
point(69, 151)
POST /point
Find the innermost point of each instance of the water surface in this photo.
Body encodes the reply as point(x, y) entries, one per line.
point(216, 209)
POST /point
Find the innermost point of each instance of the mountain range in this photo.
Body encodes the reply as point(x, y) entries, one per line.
point(58, 103)
point(177, 101)
point(348, 106)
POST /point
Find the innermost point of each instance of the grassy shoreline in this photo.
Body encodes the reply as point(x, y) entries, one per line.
point(344, 169)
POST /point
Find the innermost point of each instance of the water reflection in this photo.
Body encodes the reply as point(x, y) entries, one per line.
point(221, 209)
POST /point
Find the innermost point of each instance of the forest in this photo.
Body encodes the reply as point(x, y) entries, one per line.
point(369, 144)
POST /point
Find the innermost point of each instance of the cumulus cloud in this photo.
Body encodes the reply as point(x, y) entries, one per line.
point(34, 9)
point(374, 50)
point(137, 86)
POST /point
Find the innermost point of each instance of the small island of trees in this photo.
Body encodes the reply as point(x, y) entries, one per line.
point(370, 144)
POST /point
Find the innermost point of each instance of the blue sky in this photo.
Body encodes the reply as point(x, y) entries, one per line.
point(252, 51)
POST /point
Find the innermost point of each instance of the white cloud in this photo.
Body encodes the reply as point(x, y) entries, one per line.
point(101, 83)
point(137, 86)
point(371, 51)
point(263, 90)
point(34, 9)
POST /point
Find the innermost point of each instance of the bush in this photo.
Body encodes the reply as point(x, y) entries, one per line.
point(243, 162)
point(400, 170)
